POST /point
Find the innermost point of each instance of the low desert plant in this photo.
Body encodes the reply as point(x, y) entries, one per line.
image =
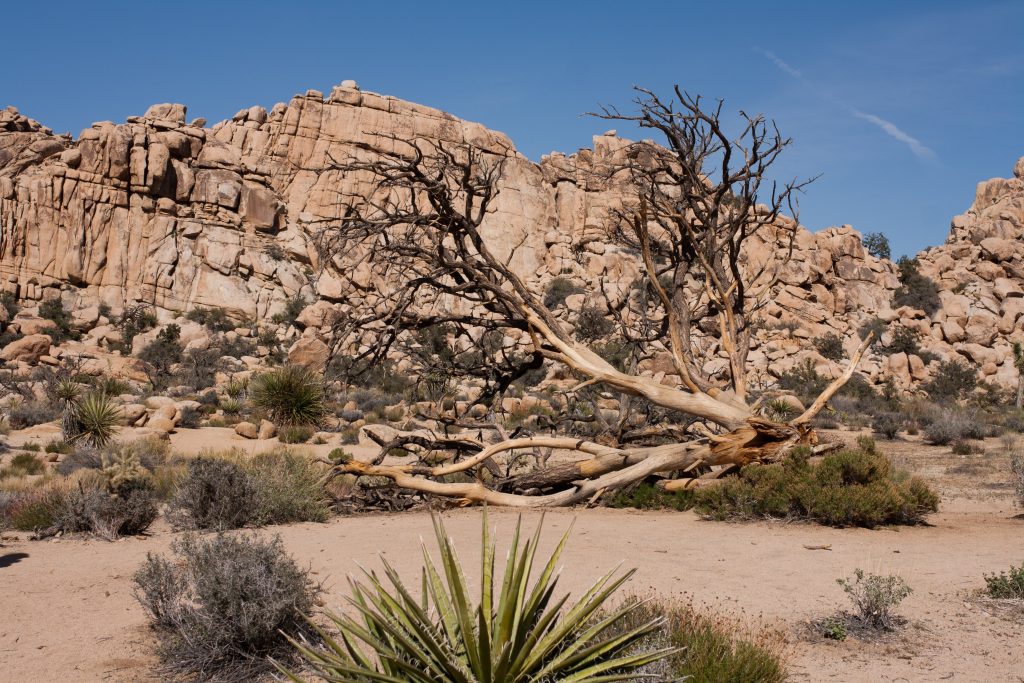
point(830, 346)
point(22, 464)
point(33, 509)
point(833, 628)
point(96, 418)
point(647, 496)
point(295, 434)
point(875, 598)
point(915, 290)
point(213, 319)
point(558, 290)
point(591, 324)
point(290, 395)
point(710, 647)
point(964, 448)
point(214, 494)
point(1006, 585)
point(951, 381)
point(25, 414)
point(887, 424)
point(290, 488)
point(848, 488)
point(515, 633)
point(108, 510)
point(222, 606)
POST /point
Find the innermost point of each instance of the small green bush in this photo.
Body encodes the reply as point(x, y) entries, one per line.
point(213, 319)
point(833, 628)
point(22, 464)
point(292, 308)
point(558, 290)
point(951, 381)
point(710, 648)
point(289, 486)
point(848, 488)
point(877, 245)
point(830, 346)
point(295, 434)
point(1006, 585)
point(804, 381)
point(222, 606)
point(32, 510)
point(875, 598)
point(888, 424)
point(214, 494)
point(647, 496)
point(290, 395)
point(591, 324)
point(916, 290)
point(53, 310)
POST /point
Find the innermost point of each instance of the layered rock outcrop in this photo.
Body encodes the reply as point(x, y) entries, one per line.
point(168, 212)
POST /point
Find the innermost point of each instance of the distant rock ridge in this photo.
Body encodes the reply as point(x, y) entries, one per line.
point(165, 211)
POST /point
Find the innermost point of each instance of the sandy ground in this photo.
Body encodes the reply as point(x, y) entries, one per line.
point(67, 611)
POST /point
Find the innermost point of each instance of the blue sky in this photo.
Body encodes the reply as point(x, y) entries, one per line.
point(902, 107)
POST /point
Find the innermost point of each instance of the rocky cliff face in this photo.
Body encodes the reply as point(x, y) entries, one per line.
point(167, 212)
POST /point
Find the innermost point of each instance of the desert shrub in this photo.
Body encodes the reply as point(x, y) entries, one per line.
point(830, 346)
point(350, 415)
point(289, 488)
point(111, 386)
point(295, 434)
point(954, 425)
point(292, 308)
point(516, 630)
point(877, 245)
point(10, 303)
point(24, 414)
point(222, 606)
point(231, 406)
point(833, 628)
point(58, 446)
point(214, 494)
point(780, 410)
point(963, 448)
point(33, 509)
point(803, 380)
point(108, 509)
point(31, 446)
point(710, 648)
point(350, 435)
point(1017, 474)
point(951, 381)
point(558, 290)
point(191, 418)
point(54, 311)
point(1006, 585)
point(96, 418)
point(22, 464)
point(133, 321)
point(197, 368)
point(591, 324)
point(888, 424)
point(915, 290)
point(875, 326)
point(875, 598)
point(848, 488)
point(213, 319)
point(161, 354)
point(647, 496)
point(290, 395)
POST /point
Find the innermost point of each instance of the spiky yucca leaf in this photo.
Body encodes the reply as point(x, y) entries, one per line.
point(96, 418)
point(290, 395)
point(517, 632)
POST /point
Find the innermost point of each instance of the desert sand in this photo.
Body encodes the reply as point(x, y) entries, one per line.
point(68, 611)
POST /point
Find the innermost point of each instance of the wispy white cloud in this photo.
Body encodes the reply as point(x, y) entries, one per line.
point(895, 132)
point(919, 149)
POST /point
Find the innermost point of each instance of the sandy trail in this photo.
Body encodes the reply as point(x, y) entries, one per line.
point(68, 612)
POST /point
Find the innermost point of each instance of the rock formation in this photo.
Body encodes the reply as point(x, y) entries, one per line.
point(170, 213)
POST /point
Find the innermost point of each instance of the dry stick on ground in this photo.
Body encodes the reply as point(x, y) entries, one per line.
point(690, 210)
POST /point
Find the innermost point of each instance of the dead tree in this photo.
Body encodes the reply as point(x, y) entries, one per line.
point(692, 207)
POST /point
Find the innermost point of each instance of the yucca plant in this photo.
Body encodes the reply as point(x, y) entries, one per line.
point(68, 392)
point(516, 633)
point(290, 395)
point(96, 417)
